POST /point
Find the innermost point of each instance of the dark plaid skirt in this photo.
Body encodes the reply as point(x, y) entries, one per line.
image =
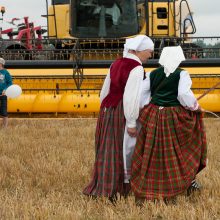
point(108, 172)
point(171, 149)
point(3, 106)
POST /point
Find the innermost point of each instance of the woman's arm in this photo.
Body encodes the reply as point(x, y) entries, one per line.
point(185, 94)
point(132, 95)
point(8, 79)
point(145, 91)
point(105, 88)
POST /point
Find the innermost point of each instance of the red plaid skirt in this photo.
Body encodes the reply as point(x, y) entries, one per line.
point(171, 149)
point(108, 173)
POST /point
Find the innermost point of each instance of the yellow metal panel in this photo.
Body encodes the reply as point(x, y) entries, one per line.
point(78, 103)
point(197, 70)
point(24, 103)
point(55, 72)
point(101, 71)
point(62, 21)
point(46, 103)
point(203, 70)
point(59, 85)
point(210, 102)
point(159, 21)
point(75, 103)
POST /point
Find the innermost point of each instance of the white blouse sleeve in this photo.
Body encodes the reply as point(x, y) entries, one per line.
point(132, 94)
point(105, 88)
point(185, 94)
point(145, 91)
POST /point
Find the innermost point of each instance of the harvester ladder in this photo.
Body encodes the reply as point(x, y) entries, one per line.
point(190, 19)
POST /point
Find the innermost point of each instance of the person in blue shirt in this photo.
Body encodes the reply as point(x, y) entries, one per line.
point(5, 82)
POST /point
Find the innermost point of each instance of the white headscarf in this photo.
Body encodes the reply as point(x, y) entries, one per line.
point(138, 43)
point(170, 59)
point(2, 61)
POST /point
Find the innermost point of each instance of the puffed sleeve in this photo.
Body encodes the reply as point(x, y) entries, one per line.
point(105, 88)
point(145, 91)
point(132, 96)
point(185, 94)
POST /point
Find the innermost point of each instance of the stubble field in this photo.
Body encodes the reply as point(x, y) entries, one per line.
point(45, 163)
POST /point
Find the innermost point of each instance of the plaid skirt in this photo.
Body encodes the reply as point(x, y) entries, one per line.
point(170, 150)
point(3, 106)
point(108, 172)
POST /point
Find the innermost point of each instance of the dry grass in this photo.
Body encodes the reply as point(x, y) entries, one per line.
point(44, 164)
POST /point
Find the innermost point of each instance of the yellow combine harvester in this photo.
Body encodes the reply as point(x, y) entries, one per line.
point(84, 36)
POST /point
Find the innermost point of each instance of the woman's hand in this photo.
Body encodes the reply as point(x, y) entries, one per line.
point(132, 132)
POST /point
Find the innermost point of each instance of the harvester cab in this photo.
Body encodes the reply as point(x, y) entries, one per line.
point(99, 24)
point(119, 18)
point(103, 19)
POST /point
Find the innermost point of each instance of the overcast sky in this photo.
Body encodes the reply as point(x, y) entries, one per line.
point(206, 14)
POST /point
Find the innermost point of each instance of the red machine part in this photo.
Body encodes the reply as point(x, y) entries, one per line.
point(26, 34)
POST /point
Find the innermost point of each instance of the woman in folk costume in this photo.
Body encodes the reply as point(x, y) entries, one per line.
point(171, 145)
point(120, 103)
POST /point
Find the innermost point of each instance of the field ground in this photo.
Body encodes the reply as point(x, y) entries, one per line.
point(44, 165)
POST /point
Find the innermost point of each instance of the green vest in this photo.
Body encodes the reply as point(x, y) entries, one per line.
point(164, 90)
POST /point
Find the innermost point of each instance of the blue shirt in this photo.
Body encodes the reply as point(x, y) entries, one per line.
point(5, 80)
